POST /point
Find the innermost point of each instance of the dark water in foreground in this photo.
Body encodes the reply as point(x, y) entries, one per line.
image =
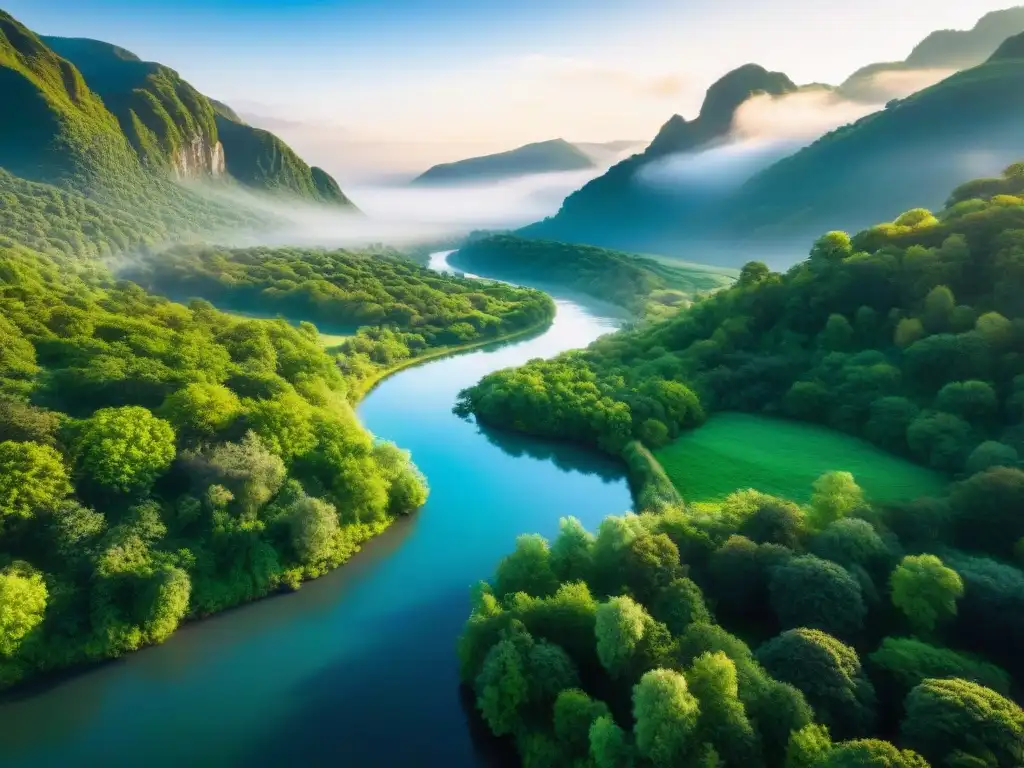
point(357, 668)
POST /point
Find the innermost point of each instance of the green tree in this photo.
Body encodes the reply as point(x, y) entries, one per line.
point(833, 246)
point(808, 747)
point(926, 591)
point(665, 715)
point(169, 591)
point(836, 494)
point(946, 718)
point(811, 592)
point(527, 569)
point(201, 409)
point(991, 454)
point(988, 510)
point(572, 552)
point(124, 449)
point(23, 597)
point(609, 747)
point(837, 335)
point(939, 440)
point(620, 625)
point(871, 753)
point(828, 673)
point(907, 662)
point(653, 433)
point(775, 521)
point(722, 721)
point(314, 529)
point(972, 401)
point(503, 687)
point(575, 713)
point(32, 478)
point(679, 605)
point(938, 307)
point(908, 330)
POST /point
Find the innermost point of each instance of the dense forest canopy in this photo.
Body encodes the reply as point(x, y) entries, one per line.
point(755, 630)
point(391, 310)
point(908, 334)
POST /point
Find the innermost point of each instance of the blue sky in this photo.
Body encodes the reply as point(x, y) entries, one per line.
point(486, 73)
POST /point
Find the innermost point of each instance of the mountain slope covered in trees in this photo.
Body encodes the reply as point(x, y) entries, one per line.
point(540, 157)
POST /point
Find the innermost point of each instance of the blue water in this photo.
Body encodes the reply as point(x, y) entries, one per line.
point(357, 668)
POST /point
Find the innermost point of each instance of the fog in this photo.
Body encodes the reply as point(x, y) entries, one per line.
point(400, 215)
point(765, 129)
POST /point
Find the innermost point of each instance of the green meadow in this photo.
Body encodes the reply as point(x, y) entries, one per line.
point(783, 458)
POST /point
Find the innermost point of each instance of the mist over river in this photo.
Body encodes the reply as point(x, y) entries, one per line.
point(357, 668)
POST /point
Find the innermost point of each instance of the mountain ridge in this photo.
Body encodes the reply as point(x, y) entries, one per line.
point(536, 157)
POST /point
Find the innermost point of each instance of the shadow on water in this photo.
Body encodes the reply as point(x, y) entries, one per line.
point(406, 674)
point(565, 456)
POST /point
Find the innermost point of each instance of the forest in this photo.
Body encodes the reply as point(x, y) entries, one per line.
point(648, 288)
point(908, 334)
point(756, 630)
point(392, 310)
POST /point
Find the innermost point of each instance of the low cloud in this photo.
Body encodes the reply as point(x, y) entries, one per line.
point(803, 115)
point(896, 82)
point(400, 215)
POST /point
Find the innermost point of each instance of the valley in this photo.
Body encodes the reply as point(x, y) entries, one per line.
point(718, 463)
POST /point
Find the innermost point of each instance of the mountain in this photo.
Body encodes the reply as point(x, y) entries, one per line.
point(52, 126)
point(540, 157)
point(89, 115)
point(946, 49)
point(898, 158)
point(612, 209)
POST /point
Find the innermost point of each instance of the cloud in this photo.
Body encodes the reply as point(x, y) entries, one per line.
point(401, 215)
point(658, 85)
point(803, 115)
point(880, 83)
point(765, 129)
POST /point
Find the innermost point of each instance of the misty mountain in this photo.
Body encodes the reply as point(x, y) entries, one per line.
point(614, 208)
point(540, 157)
point(90, 115)
point(946, 49)
point(901, 157)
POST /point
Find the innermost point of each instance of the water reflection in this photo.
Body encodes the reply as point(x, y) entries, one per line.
point(565, 456)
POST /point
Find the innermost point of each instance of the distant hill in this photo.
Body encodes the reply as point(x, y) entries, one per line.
point(947, 49)
point(901, 157)
point(540, 157)
point(611, 209)
point(605, 151)
point(90, 115)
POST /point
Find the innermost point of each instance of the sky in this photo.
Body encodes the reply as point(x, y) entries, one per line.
point(397, 85)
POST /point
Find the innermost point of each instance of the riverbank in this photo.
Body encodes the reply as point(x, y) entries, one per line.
point(339, 666)
point(368, 385)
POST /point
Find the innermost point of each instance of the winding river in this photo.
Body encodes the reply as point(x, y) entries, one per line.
point(357, 668)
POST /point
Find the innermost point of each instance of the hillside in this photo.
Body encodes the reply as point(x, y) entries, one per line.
point(540, 157)
point(612, 209)
point(53, 127)
point(89, 114)
point(901, 157)
point(941, 50)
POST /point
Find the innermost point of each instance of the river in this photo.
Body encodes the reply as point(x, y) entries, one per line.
point(357, 668)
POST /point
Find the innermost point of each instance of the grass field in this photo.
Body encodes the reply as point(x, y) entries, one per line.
point(783, 458)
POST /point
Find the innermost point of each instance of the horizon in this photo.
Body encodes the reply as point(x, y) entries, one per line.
point(375, 90)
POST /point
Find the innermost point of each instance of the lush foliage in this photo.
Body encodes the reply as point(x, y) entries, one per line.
point(908, 334)
point(159, 461)
point(645, 286)
point(640, 618)
point(391, 310)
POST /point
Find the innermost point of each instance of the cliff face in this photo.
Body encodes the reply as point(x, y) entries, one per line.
point(198, 158)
